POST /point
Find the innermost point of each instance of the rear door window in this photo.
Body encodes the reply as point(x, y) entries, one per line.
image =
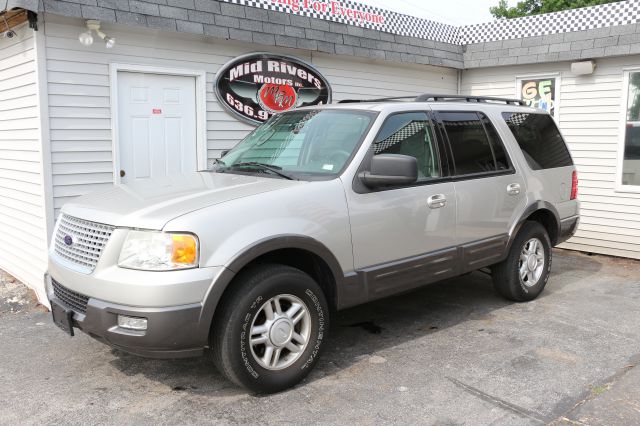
point(502, 161)
point(539, 139)
point(475, 145)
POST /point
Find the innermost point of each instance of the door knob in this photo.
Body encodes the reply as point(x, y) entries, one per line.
point(122, 173)
point(437, 201)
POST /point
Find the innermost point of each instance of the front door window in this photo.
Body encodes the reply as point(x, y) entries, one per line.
point(410, 134)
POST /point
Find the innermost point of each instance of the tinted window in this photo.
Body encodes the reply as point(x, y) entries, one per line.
point(469, 143)
point(410, 134)
point(539, 140)
point(502, 161)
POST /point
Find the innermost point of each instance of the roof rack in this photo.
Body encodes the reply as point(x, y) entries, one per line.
point(435, 98)
point(392, 98)
point(427, 97)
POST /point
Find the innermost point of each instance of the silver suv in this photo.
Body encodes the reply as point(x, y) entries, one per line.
point(317, 210)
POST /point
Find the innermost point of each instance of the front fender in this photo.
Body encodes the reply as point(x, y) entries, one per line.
point(243, 258)
point(311, 217)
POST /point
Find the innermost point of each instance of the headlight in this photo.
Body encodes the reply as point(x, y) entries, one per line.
point(159, 251)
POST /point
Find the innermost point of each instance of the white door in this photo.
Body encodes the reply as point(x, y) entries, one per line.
point(156, 125)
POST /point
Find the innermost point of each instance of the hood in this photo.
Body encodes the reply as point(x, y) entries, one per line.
point(151, 203)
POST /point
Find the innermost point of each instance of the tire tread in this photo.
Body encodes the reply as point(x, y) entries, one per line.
point(504, 273)
point(220, 338)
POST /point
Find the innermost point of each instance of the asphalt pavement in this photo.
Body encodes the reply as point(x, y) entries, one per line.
point(451, 353)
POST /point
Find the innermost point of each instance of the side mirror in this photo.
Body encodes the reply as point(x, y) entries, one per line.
point(390, 170)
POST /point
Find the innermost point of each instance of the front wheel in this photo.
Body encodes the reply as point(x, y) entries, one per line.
point(271, 328)
point(524, 273)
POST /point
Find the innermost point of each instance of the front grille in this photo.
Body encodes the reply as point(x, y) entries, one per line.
point(87, 239)
point(70, 298)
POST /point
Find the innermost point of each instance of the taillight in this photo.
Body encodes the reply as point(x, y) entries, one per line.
point(574, 185)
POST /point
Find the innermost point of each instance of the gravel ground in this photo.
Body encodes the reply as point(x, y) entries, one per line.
point(451, 353)
point(15, 297)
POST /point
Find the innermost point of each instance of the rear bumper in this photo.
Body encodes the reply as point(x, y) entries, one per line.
point(568, 228)
point(172, 332)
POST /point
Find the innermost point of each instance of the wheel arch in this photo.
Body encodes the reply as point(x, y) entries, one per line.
point(542, 212)
point(301, 252)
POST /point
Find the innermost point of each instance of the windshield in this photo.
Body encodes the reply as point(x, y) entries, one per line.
point(297, 143)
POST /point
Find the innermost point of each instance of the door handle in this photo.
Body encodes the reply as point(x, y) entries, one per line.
point(513, 189)
point(122, 173)
point(437, 201)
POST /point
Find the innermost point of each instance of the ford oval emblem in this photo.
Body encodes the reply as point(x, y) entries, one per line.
point(68, 240)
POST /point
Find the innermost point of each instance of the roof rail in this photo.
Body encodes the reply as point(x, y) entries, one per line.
point(392, 98)
point(435, 98)
point(427, 97)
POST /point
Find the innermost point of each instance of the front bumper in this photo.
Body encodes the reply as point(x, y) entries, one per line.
point(171, 302)
point(172, 332)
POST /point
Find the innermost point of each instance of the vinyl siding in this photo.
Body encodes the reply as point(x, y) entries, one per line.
point(79, 93)
point(23, 243)
point(590, 109)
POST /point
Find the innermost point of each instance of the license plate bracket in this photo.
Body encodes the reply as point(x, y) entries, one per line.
point(62, 317)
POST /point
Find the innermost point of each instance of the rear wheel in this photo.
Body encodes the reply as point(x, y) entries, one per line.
point(271, 328)
point(524, 273)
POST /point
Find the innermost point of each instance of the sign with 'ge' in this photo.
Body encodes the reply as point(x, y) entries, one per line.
point(539, 93)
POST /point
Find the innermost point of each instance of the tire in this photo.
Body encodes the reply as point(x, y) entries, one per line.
point(518, 278)
point(251, 310)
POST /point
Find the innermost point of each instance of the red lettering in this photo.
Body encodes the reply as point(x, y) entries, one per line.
point(333, 7)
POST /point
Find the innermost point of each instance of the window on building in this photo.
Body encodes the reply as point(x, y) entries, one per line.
point(473, 152)
point(410, 134)
point(631, 155)
point(539, 139)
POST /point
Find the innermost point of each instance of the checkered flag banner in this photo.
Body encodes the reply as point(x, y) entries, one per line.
point(403, 133)
point(361, 15)
point(587, 18)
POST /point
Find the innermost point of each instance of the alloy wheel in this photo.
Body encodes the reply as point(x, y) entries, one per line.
point(280, 332)
point(531, 262)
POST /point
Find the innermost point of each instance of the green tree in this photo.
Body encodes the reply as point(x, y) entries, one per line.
point(536, 7)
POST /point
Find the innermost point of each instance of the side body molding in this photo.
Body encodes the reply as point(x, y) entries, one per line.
point(358, 287)
point(253, 252)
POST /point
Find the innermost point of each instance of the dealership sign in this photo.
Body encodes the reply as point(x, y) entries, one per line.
point(255, 86)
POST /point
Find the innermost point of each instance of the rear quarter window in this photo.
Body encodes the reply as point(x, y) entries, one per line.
point(539, 139)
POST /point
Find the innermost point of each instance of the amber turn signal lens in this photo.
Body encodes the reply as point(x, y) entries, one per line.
point(185, 249)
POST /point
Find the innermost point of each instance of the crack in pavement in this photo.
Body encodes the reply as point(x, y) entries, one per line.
point(498, 402)
point(608, 383)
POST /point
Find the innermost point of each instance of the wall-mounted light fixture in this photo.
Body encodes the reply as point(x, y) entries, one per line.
point(583, 67)
point(8, 33)
point(86, 38)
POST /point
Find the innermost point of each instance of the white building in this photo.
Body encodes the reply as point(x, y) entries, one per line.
point(67, 111)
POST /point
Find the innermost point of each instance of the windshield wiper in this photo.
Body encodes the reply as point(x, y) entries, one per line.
point(276, 170)
point(217, 165)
